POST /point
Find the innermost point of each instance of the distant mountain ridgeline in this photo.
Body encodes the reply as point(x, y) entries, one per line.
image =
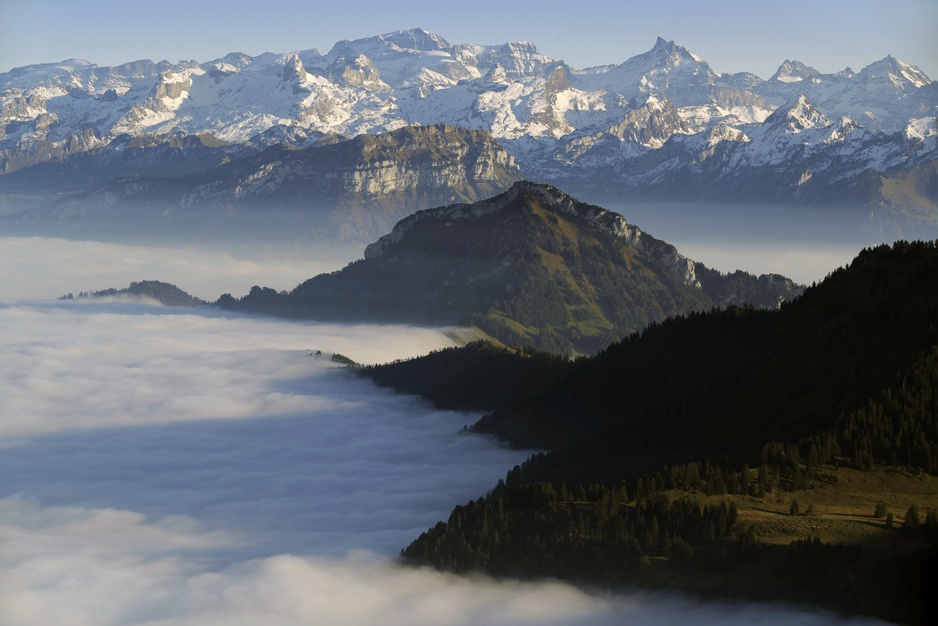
point(711, 453)
point(165, 293)
point(531, 266)
point(340, 189)
point(659, 126)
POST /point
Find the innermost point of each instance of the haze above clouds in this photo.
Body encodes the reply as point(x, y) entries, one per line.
point(44, 267)
point(804, 244)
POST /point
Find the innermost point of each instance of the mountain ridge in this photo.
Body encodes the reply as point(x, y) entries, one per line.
point(531, 266)
point(351, 189)
point(661, 124)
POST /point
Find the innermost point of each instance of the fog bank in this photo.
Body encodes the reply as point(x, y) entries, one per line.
point(173, 467)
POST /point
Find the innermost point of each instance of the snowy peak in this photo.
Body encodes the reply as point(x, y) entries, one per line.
point(796, 117)
point(642, 119)
point(520, 60)
point(416, 39)
point(879, 95)
point(650, 123)
point(794, 72)
point(496, 75)
point(413, 40)
point(663, 56)
point(293, 71)
point(357, 72)
point(671, 55)
point(236, 61)
point(666, 69)
point(902, 76)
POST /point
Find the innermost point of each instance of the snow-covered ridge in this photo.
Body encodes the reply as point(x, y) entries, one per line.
point(545, 113)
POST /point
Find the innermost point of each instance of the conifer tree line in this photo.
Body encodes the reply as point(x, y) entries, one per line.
point(652, 442)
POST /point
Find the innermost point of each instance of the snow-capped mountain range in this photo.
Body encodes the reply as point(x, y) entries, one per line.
point(662, 122)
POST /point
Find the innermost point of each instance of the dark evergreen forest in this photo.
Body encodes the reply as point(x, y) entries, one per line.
point(651, 443)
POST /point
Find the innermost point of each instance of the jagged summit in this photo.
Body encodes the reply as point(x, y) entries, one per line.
point(903, 76)
point(797, 116)
point(416, 39)
point(673, 52)
point(794, 72)
point(668, 70)
point(522, 197)
point(664, 54)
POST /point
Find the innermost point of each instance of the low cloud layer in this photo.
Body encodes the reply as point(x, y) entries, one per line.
point(177, 467)
point(75, 365)
point(108, 567)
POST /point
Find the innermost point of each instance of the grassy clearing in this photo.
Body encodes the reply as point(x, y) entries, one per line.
point(860, 566)
point(841, 512)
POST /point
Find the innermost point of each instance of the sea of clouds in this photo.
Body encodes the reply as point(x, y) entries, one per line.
point(169, 467)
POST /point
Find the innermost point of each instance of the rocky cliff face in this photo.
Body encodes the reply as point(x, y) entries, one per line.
point(350, 189)
point(530, 266)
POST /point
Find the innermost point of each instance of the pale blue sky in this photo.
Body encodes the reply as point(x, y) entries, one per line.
point(731, 35)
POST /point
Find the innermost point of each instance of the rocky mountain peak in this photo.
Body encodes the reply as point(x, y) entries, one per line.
point(497, 75)
point(794, 72)
point(358, 72)
point(416, 39)
point(797, 116)
point(531, 265)
point(293, 70)
point(558, 80)
point(522, 196)
point(902, 76)
point(669, 54)
point(650, 122)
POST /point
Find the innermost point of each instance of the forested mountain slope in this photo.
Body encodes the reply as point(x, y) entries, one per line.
point(732, 453)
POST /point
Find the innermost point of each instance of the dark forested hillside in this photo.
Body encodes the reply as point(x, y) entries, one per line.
point(664, 441)
point(728, 379)
point(719, 528)
point(476, 377)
